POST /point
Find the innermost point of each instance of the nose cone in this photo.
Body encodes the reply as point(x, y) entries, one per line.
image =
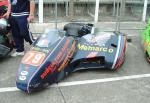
point(29, 87)
point(22, 86)
point(27, 82)
point(27, 78)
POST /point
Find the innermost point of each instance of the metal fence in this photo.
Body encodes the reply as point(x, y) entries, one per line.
point(84, 10)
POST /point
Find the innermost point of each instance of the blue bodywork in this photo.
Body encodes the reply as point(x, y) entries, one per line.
point(60, 52)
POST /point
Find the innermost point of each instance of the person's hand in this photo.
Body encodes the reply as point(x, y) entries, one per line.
point(6, 15)
point(30, 18)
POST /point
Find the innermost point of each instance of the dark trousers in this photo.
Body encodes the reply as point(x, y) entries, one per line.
point(20, 31)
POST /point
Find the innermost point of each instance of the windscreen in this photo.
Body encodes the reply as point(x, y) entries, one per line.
point(50, 38)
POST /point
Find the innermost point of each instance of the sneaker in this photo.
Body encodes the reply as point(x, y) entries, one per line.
point(17, 54)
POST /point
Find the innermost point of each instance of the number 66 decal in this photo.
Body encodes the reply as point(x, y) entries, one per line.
point(33, 58)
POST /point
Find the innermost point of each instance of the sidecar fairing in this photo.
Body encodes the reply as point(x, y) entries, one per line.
point(145, 38)
point(45, 62)
point(58, 53)
point(102, 50)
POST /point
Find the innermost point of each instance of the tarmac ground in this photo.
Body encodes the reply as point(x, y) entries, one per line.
point(129, 84)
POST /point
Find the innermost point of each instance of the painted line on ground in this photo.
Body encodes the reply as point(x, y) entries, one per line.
point(65, 84)
point(8, 89)
point(134, 46)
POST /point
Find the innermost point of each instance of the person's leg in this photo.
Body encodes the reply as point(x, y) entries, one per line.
point(24, 29)
point(18, 39)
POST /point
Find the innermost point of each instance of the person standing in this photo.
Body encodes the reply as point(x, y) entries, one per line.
point(21, 12)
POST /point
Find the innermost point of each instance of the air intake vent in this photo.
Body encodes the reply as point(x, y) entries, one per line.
point(99, 60)
point(113, 45)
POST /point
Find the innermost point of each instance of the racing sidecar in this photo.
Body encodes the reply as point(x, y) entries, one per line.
point(145, 38)
point(60, 52)
point(5, 45)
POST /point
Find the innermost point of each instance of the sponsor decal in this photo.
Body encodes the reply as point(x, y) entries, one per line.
point(40, 50)
point(95, 48)
point(59, 58)
point(92, 54)
point(43, 43)
point(100, 39)
point(66, 60)
point(48, 70)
